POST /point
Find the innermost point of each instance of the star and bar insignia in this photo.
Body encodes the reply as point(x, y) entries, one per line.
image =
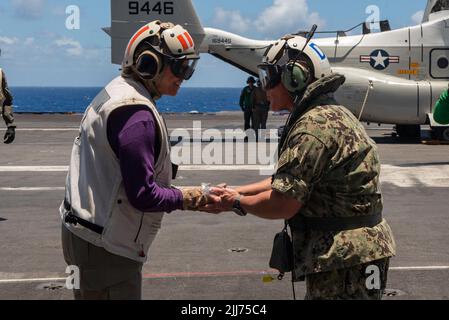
point(379, 59)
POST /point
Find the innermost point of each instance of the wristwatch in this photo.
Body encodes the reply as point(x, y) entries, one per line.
point(237, 208)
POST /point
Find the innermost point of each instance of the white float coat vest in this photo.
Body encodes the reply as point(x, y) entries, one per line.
point(2, 94)
point(94, 185)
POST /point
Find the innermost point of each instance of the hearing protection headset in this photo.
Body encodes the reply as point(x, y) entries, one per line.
point(148, 65)
point(294, 62)
point(295, 77)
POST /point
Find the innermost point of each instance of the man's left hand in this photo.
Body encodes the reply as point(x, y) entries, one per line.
point(10, 135)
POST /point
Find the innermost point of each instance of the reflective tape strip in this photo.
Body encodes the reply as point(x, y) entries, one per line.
point(183, 42)
point(137, 35)
point(189, 38)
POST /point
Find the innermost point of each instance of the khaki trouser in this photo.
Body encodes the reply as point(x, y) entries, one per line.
point(260, 116)
point(346, 284)
point(103, 275)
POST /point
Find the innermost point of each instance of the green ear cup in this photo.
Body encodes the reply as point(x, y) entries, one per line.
point(294, 83)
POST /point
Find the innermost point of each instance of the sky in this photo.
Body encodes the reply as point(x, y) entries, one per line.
point(38, 50)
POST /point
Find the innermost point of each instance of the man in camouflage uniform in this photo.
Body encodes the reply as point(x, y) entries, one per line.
point(6, 109)
point(326, 184)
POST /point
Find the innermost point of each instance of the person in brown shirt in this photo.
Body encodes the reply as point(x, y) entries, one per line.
point(260, 107)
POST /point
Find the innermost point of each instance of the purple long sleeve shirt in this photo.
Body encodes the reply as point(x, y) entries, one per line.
point(134, 137)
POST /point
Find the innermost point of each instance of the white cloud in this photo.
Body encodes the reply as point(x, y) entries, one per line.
point(282, 17)
point(8, 41)
point(232, 19)
point(72, 47)
point(287, 16)
point(28, 41)
point(28, 9)
point(13, 41)
point(417, 17)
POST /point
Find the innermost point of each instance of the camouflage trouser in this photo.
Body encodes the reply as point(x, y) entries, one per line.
point(347, 284)
point(8, 115)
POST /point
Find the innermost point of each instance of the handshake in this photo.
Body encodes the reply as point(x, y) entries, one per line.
point(209, 199)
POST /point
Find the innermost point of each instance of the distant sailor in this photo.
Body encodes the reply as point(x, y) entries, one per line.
point(119, 183)
point(326, 185)
point(260, 107)
point(6, 105)
point(246, 104)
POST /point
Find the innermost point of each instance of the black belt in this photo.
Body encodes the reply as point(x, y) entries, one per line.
point(70, 218)
point(334, 224)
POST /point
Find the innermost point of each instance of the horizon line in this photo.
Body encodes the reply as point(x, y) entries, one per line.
point(195, 87)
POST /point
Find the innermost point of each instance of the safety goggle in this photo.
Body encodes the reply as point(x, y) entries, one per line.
point(182, 68)
point(270, 75)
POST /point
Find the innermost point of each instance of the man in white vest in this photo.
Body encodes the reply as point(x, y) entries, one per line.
point(119, 182)
point(6, 109)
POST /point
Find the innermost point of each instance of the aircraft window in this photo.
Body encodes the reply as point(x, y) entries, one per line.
point(443, 63)
point(385, 26)
point(440, 6)
point(366, 28)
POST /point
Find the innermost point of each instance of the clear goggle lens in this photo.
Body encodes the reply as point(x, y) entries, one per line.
point(269, 76)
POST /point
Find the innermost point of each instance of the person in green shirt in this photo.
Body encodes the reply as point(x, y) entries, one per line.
point(441, 110)
point(246, 102)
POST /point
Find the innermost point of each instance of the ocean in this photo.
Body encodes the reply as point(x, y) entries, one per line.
point(75, 100)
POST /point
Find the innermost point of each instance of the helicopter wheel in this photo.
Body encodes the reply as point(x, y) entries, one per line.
point(408, 131)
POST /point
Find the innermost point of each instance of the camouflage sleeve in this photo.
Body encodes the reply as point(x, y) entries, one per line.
point(7, 111)
point(300, 166)
point(5, 89)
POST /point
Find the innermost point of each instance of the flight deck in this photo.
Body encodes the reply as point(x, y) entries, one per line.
point(202, 256)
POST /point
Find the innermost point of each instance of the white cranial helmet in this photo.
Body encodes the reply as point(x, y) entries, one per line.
point(294, 45)
point(164, 45)
point(178, 42)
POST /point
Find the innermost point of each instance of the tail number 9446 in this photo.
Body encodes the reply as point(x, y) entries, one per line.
point(160, 7)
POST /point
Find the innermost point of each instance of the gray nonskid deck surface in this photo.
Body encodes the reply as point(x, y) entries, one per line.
point(191, 257)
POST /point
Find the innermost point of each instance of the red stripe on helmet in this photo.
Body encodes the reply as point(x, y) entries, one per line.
point(183, 42)
point(189, 38)
point(138, 34)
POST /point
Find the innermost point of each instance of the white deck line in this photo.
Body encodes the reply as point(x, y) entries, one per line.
point(33, 189)
point(182, 275)
point(400, 176)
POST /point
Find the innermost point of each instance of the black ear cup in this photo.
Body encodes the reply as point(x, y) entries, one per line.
point(148, 65)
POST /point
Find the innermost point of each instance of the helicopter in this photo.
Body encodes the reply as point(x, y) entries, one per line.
point(392, 76)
